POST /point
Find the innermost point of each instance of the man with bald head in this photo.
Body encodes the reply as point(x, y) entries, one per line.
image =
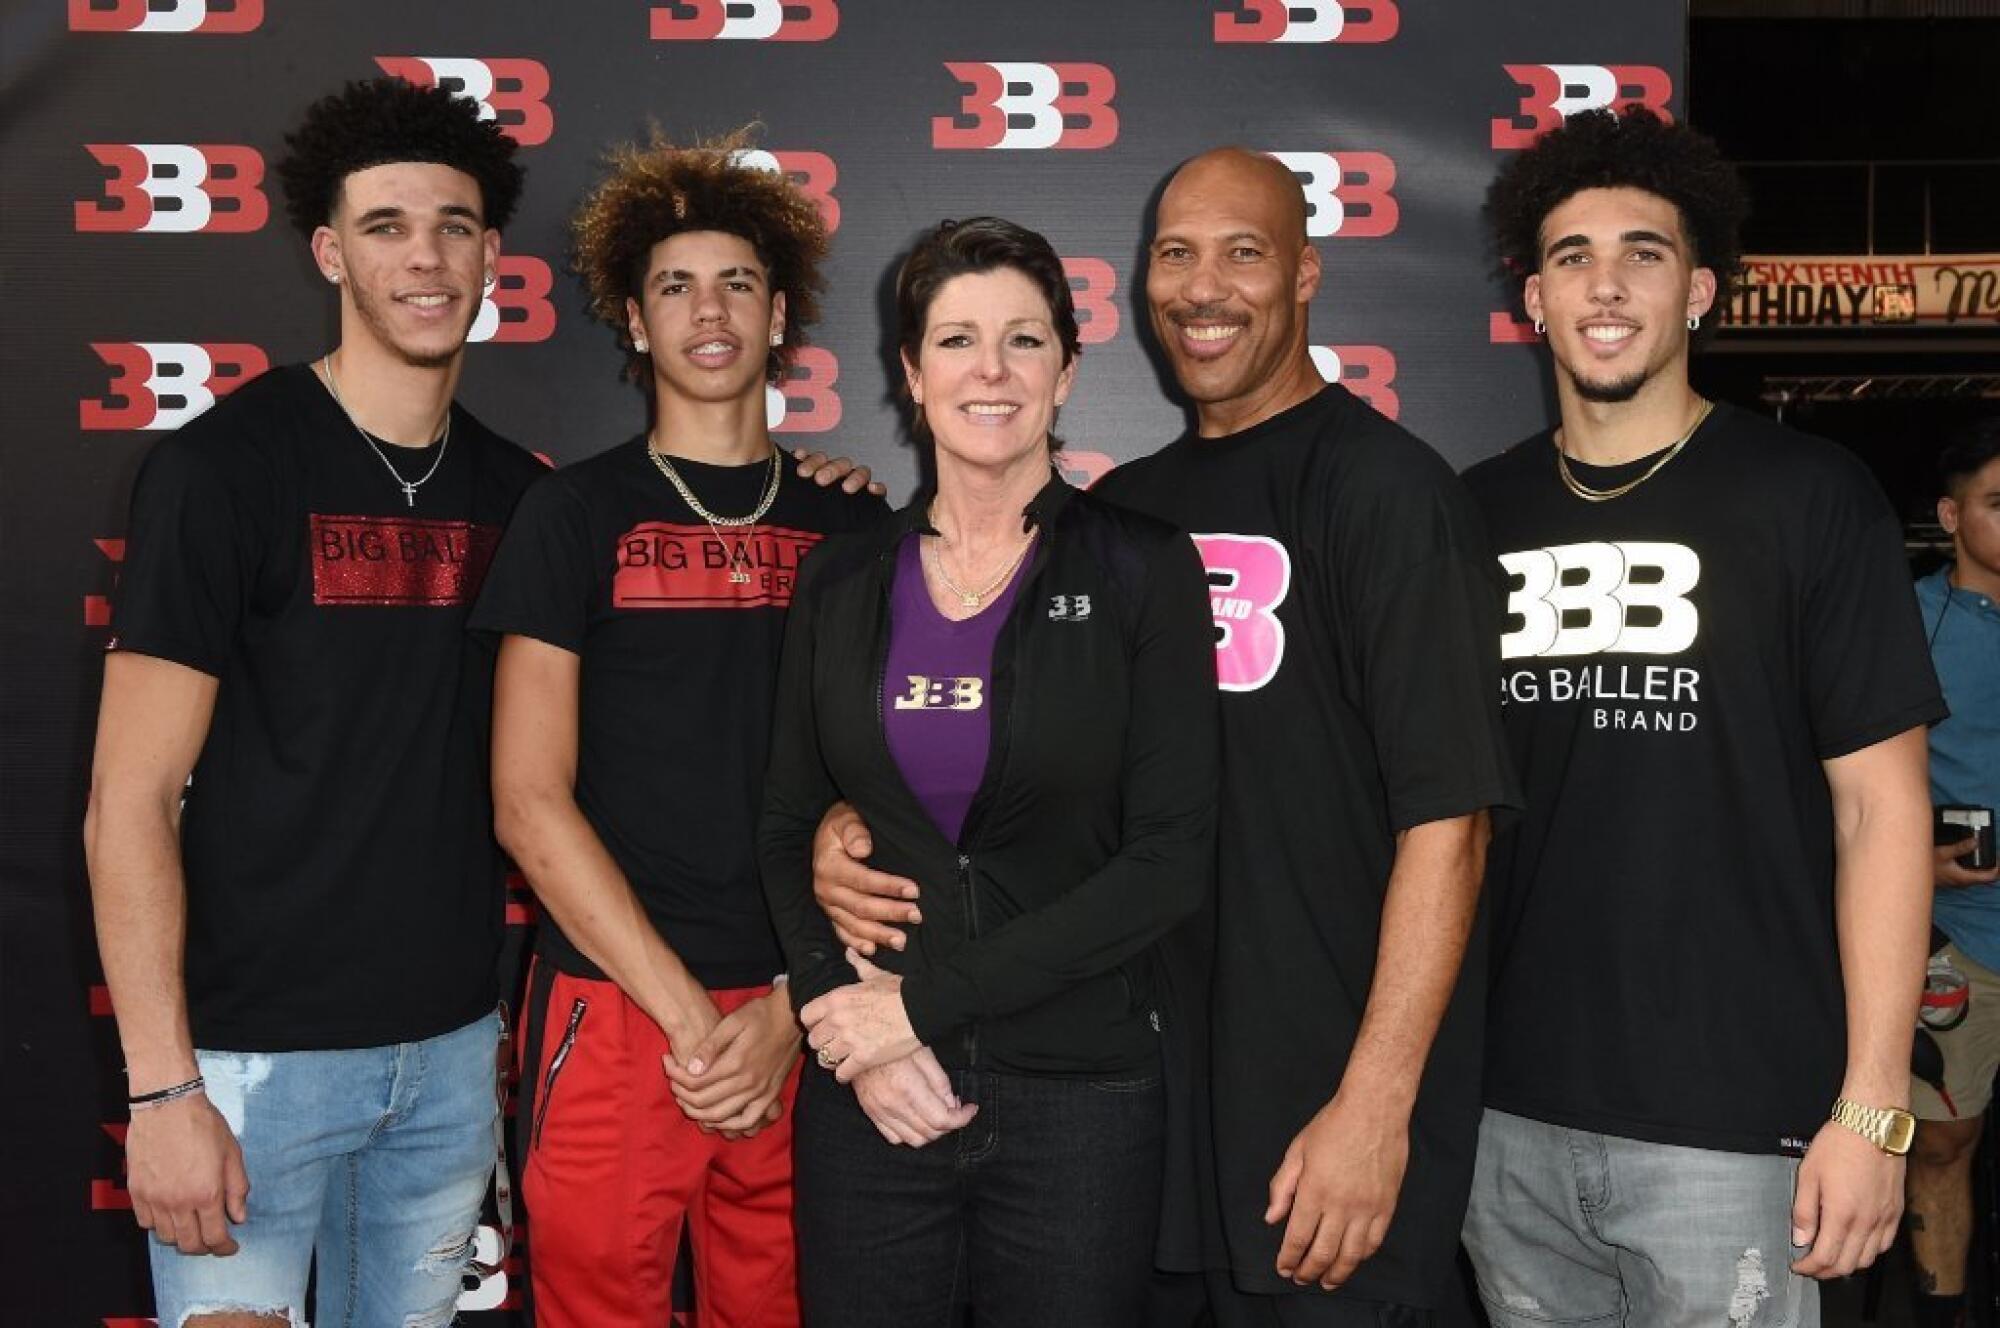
point(1323, 1173)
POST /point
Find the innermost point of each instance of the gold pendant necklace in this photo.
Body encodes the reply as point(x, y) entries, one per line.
point(1590, 495)
point(739, 558)
point(972, 599)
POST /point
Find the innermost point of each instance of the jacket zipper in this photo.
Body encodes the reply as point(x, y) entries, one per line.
point(971, 932)
point(576, 1010)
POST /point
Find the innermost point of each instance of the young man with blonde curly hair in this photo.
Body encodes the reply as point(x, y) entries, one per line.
point(640, 599)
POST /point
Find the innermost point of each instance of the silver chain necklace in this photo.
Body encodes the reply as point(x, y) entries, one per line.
point(739, 570)
point(409, 487)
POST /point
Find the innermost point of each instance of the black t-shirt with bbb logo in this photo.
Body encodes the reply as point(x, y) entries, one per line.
point(679, 661)
point(1677, 663)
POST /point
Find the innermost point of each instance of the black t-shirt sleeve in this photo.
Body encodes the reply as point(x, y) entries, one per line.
point(1422, 593)
point(1868, 673)
point(544, 578)
point(1165, 860)
point(191, 558)
point(797, 792)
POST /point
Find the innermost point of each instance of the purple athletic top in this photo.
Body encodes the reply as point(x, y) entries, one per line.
point(935, 689)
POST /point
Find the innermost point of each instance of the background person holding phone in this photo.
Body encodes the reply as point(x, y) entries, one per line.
point(1961, 611)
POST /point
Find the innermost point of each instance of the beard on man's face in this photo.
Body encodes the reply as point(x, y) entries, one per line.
point(1609, 393)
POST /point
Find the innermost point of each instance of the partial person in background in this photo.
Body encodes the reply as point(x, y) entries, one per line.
point(302, 953)
point(1330, 1012)
point(1960, 603)
point(1013, 683)
point(1709, 924)
point(640, 598)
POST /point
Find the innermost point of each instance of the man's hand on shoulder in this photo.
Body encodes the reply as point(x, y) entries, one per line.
point(867, 908)
point(1337, 1189)
point(184, 1170)
point(824, 470)
point(1847, 1204)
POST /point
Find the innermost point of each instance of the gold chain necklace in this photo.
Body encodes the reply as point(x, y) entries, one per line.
point(1590, 495)
point(972, 599)
point(739, 558)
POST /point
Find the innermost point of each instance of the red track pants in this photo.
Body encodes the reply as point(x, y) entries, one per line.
point(613, 1172)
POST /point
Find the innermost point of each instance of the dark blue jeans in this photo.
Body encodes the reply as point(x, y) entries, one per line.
point(1041, 1213)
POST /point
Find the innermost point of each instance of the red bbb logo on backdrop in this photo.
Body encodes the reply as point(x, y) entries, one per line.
point(804, 401)
point(1093, 288)
point(745, 20)
point(1348, 194)
point(164, 384)
point(214, 17)
point(518, 307)
point(813, 174)
point(1369, 372)
point(514, 93)
point(1307, 21)
point(1015, 104)
point(176, 188)
point(1549, 93)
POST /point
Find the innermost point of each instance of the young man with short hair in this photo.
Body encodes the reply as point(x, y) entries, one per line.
point(640, 596)
point(301, 940)
point(1709, 923)
point(1960, 603)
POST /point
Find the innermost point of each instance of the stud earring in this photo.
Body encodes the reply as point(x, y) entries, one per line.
point(1540, 327)
point(640, 345)
point(492, 278)
point(1694, 323)
point(333, 277)
point(777, 338)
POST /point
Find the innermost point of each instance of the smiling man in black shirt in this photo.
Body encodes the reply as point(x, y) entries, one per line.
point(1709, 926)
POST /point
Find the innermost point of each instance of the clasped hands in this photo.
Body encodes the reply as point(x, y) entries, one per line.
point(864, 1032)
point(732, 1082)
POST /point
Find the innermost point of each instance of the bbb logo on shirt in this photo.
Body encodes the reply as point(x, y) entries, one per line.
point(1069, 608)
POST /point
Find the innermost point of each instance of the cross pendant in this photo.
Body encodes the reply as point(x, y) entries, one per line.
point(409, 493)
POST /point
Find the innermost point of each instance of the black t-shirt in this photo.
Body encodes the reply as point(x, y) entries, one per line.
point(343, 885)
point(1677, 664)
point(605, 560)
point(1356, 607)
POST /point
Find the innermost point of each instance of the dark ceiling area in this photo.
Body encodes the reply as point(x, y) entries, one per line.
point(1861, 127)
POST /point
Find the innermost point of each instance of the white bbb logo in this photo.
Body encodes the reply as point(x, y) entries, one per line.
point(1630, 599)
point(1069, 608)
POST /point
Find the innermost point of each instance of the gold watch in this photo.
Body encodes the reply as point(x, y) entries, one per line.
point(1888, 1128)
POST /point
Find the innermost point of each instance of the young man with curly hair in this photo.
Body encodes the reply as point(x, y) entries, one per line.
point(640, 598)
point(1709, 925)
point(301, 940)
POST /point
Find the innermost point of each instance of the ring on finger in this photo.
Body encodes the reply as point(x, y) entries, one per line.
point(827, 1060)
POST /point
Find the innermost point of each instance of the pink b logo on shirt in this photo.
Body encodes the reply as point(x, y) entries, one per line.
point(1248, 578)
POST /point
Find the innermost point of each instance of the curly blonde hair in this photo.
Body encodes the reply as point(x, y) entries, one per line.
point(655, 190)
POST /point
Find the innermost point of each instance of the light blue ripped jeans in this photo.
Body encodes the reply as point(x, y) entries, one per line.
point(375, 1161)
point(1570, 1227)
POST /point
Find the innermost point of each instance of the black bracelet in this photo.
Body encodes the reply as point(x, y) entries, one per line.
point(163, 1095)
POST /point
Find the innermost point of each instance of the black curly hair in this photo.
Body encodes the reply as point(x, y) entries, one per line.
point(656, 190)
point(383, 120)
point(1636, 149)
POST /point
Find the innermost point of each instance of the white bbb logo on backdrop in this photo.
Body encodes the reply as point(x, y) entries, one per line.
point(165, 16)
point(1349, 194)
point(164, 384)
point(176, 188)
point(514, 92)
point(745, 20)
point(1307, 21)
point(1047, 97)
point(1549, 93)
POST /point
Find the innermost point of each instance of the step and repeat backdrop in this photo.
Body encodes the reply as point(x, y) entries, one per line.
point(148, 271)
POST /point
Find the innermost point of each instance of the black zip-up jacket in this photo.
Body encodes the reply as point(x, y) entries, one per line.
point(1093, 829)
